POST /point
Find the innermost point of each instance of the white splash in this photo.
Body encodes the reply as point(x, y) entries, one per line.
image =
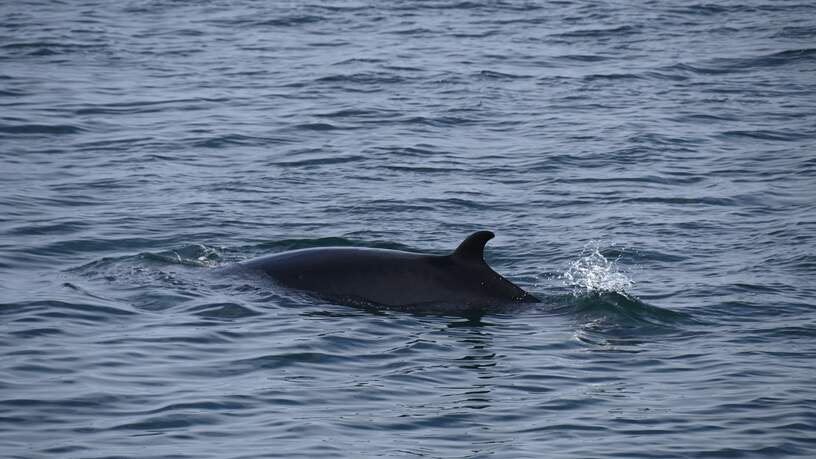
point(196, 255)
point(593, 273)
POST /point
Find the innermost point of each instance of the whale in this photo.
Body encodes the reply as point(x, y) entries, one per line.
point(459, 282)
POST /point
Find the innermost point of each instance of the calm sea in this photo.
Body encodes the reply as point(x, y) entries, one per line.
point(649, 169)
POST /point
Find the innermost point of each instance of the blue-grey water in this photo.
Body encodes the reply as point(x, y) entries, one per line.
point(649, 169)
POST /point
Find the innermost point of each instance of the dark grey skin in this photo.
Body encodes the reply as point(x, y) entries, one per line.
point(394, 278)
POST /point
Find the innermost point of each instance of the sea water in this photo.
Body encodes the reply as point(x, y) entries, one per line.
point(649, 169)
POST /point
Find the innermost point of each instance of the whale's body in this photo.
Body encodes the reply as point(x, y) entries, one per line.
point(394, 278)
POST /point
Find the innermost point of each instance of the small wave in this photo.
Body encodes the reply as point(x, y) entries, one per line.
point(706, 9)
point(358, 61)
point(56, 309)
point(222, 311)
point(359, 113)
point(494, 75)
point(677, 179)
point(328, 44)
point(317, 127)
point(611, 76)
point(440, 122)
point(621, 310)
point(321, 161)
point(705, 118)
point(417, 151)
point(147, 106)
point(584, 57)
point(366, 78)
point(33, 129)
point(727, 65)
point(172, 421)
point(696, 69)
point(698, 201)
point(283, 360)
point(581, 33)
point(191, 255)
point(246, 22)
point(224, 141)
point(767, 135)
point(47, 48)
point(796, 32)
point(289, 21)
point(413, 31)
point(618, 321)
point(422, 170)
point(795, 261)
point(12, 93)
point(785, 57)
point(481, 34)
point(65, 227)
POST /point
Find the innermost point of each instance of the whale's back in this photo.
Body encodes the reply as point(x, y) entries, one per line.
point(391, 277)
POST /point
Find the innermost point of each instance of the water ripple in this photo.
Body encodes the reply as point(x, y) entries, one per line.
point(147, 145)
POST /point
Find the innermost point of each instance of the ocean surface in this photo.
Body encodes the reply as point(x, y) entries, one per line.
point(649, 169)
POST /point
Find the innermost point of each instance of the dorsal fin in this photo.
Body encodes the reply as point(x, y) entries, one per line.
point(471, 249)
